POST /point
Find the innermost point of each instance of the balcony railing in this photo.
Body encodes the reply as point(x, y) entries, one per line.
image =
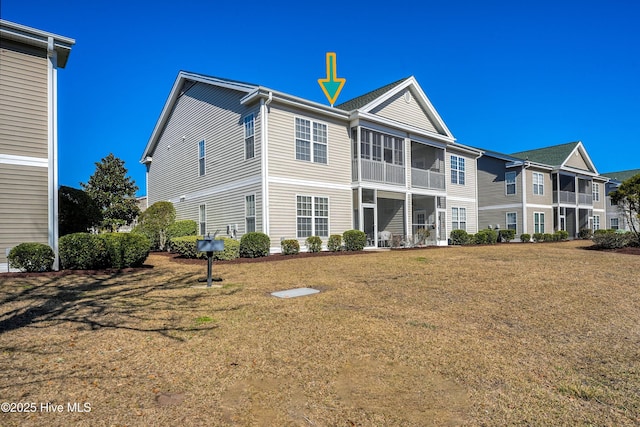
point(570, 197)
point(379, 172)
point(427, 179)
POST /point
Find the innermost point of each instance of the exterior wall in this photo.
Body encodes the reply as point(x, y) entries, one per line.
point(462, 196)
point(498, 217)
point(409, 112)
point(215, 115)
point(24, 131)
point(600, 204)
point(491, 183)
point(547, 197)
point(577, 161)
point(548, 219)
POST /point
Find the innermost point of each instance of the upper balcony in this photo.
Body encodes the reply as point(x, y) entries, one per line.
point(567, 193)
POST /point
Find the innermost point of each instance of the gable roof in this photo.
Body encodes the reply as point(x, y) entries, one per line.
point(622, 175)
point(367, 98)
point(552, 156)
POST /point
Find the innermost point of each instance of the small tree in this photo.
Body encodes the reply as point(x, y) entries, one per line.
point(77, 212)
point(155, 222)
point(627, 197)
point(113, 192)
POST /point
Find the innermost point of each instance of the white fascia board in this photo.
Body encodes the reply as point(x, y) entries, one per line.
point(400, 126)
point(294, 101)
point(466, 149)
point(34, 37)
point(580, 147)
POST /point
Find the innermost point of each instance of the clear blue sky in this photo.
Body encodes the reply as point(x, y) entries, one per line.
point(504, 75)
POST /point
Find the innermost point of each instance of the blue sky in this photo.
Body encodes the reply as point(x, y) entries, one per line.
point(504, 75)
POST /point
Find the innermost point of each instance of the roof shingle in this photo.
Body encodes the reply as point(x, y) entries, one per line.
point(552, 156)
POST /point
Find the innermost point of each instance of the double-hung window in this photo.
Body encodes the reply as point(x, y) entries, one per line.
point(457, 170)
point(202, 219)
point(201, 158)
point(311, 141)
point(459, 219)
point(512, 220)
point(595, 188)
point(614, 224)
point(596, 222)
point(249, 143)
point(538, 222)
point(510, 182)
point(312, 216)
point(250, 213)
point(538, 184)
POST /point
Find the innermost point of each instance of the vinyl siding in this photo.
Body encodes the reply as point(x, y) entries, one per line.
point(282, 149)
point(468, 190)
point(23, 101)
point(212, 114)
point(23, 206)
point(411, 113)
point(391, 212)
point(491, 183)
point(577, 161)
point(601, 203)
point(548, 219)
point(499, 217)
point(547, 197)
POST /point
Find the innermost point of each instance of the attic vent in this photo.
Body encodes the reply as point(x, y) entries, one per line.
point(407, 96)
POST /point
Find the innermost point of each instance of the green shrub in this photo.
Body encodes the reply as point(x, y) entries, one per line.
point(334, 244)
point(610, 239)
point(525, 237)
point(506, 235)
point(290, 247)
point(231, 249)
point(548, 237)
point(32, 257)
point(314, 244)
point(185, 227)
point(254, 245)
point(125, 249)
point(538, 237)
point(155, 221)
point(561, 235)
point(459, 237)
point(82, 251)
point(485, 236)
point(354, 240)
point(585, 233)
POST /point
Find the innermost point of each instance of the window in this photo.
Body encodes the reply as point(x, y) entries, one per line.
point(538, 222)
point(512, 220)
point(249, 129)
point(312, 216)
point(538, 184)
point(311, 146)
point(596, 222)
point(510, 182)
point(459, 219)
point(457, 170)
point(614, 224)
point(381, 147)
point(202, 219)
point(250, 213)
point(201, 158)
point(595, 188)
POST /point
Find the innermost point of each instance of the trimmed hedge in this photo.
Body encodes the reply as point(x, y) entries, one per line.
point(525, 237)
point(254, 245)
point(290, 247)
point(82, 251)
point(612, 239)
point(231, 249)
point(506, 235)
point(561, 235)
point(185, 227)
point(485, 237)
point(354, 240)
point(334, 244)
point(125, 250)
point(32, 257)
point(188, 248)
point(538, 237)
point(585, 233)
point(314, 244)
point(459, 237)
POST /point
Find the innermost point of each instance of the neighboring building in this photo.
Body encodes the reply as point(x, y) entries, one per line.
point(29, 60)
point(543, 190)
point(616, 219)
point(238, 157)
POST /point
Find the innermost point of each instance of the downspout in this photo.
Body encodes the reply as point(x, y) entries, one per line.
point(264, 137)
point(525, 219)
point(52, 107)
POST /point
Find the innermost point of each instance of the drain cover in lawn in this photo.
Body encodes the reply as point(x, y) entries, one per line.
point(292, 293)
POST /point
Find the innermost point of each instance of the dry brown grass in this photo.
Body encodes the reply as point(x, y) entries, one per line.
point(537, 334)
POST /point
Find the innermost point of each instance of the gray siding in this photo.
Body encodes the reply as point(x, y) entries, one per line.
point(23, 101)
point(397, 108)
point(491, 183)
point(547, 197)
point(577, 161)
point(23, 206)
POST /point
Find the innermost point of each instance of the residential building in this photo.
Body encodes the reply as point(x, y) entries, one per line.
point(29, 62)
point(541, 191)
point(239, 157)
point(616, 219)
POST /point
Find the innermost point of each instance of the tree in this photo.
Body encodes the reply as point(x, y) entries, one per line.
point(77, 212)
point(155, 222)
point(113, 192)
point(627, 197)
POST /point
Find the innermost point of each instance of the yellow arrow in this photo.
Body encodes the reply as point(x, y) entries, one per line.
point(331, 85)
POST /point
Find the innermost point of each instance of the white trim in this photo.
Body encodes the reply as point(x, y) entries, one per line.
point(311, 140)
point(585, 156)
point(402, 127)
point(10, 159)
point(544, 222)
point(535, 206)
point(204, 157)
point(217, 190)
point(298, 183)
point(506, 220)
point(515, 182)
point(500, 207)
point(255, 209)
point(461, 199)
point(264, 159)
point(52, 82)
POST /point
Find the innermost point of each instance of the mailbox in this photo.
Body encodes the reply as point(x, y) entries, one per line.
point(210, 245)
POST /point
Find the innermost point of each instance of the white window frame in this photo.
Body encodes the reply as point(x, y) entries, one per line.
point(617, 224)
point(595, 191)
point(538, 222)
point(202, 219)
point(596, 222)
point(314, 217)
point(202, 158)
point(509, 224)
point(458, 218)
point(508, 182)
point(381, 147)
point(538, 184)
point(458, 170)
point(249, 213)
point(249, 136)
point(318, 136)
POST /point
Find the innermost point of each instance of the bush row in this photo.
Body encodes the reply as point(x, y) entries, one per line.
point(490, 237)
point(614, 239)
point(85, 251)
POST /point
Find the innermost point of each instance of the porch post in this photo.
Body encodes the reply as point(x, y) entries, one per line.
point(408, 218)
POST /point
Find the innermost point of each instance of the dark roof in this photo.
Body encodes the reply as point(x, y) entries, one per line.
point(361, 101)
point(552, 156)
point(621, 175)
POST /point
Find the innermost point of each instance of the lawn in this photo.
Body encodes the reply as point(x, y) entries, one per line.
point(526, 334)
